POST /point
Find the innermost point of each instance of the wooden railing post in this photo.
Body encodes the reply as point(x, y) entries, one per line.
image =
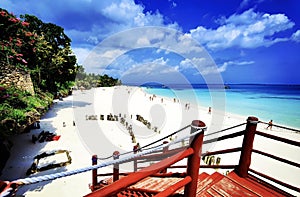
point(193, 163)
point(135, 165)
point(245, 158)
point(94, 173)
point(165, 149)
point(116, 171)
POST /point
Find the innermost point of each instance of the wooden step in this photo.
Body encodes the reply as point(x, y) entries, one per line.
point(135, 193)
point(157, 184)
point(214, 185)
point(224, 186)
point(209, 193)
point(201, 177)
point(227, 187)
point(208, 182)
point(151, 185)
point(254, 185)
point(233, 185)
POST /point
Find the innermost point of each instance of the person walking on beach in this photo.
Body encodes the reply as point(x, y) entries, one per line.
point(137, 148)
point(270, 124)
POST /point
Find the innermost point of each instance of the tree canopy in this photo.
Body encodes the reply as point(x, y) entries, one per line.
point(41, 48)
point(89, 80)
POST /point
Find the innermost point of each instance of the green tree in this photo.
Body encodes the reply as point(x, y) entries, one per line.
point(42, 48)
point(54, 63)
point(16, 41)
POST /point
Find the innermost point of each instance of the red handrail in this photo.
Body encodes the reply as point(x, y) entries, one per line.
point(139, 175)
point(277, 138)
point(190, 181)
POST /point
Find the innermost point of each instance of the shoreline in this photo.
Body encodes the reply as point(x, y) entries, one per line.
point(256, 100)
point(164, 113)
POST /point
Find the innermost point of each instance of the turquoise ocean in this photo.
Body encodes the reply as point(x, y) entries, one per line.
point(281, 103)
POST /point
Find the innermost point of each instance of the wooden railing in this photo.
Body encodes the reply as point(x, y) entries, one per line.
point(189, 181)
point(277, 158)
point(193, 153)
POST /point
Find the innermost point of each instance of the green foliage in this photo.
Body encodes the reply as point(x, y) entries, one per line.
point(15, 39)
point(90, 80)
point(15, 106)
point(42, 48)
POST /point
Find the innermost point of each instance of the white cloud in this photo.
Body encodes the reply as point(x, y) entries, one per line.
point(247, 30)
point(203, 66)
point(207, 69)
point(173, 3)
point(296, 36)
point(89, 21)
point(226, 64)
point(244, 3)
point(161, 39)
point(81, 54)
point(157, 70)
point(238, 63)
point(123, 11)
point(192, 63)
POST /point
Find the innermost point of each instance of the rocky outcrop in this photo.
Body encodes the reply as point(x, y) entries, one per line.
point(17, 77)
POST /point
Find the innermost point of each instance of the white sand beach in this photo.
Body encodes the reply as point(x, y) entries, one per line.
point(101, 137)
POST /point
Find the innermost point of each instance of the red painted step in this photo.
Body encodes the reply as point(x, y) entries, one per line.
point(155, 183)
point(151, 185)
point(201, 177)
point(214, 185)
point(208, 182)
point(227, 187)
point(233, 185)
point(255, 186)
point(135, 193)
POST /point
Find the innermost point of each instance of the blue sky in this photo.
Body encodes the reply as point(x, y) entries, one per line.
point(245, 41)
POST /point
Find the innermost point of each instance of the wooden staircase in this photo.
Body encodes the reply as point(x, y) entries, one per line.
point(154, 180)
point(214, 185)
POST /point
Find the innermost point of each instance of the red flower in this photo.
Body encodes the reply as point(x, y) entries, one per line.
point(19, 42)
point(2, 13)
point(24, 61)
point(5, 96)
point(28, 33)
point(25, 24)
point(32, 42)
point(14, 20)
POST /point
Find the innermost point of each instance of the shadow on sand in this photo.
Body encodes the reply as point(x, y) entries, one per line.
point(24, 150)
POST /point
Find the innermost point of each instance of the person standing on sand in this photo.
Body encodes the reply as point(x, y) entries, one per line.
point(136, 148)
point(270, 124)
